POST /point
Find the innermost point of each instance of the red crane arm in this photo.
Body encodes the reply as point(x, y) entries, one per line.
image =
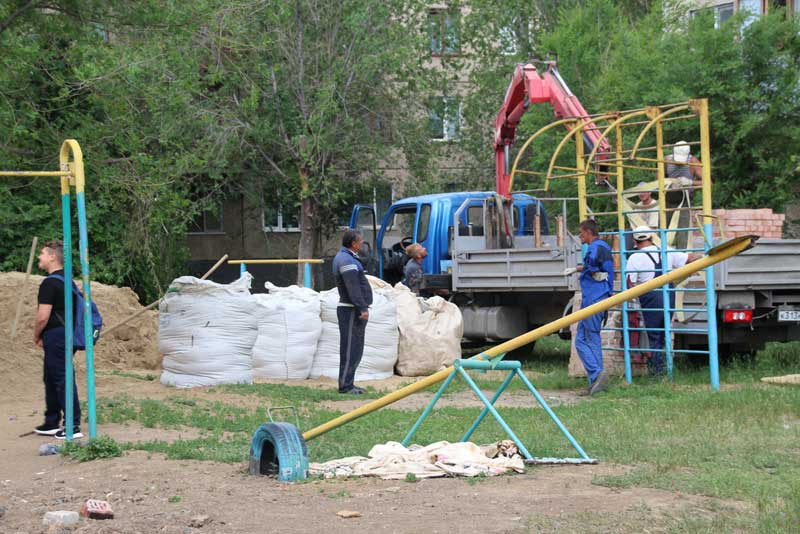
point(529, 87)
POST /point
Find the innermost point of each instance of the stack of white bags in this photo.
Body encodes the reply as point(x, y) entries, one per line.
point(213, 333)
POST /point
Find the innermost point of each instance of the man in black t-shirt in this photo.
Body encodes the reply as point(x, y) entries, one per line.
point(49, 334)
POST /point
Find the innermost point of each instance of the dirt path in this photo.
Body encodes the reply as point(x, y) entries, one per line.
point(152, 494)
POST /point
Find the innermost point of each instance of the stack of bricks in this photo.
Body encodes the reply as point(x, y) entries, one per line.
point(761, 222)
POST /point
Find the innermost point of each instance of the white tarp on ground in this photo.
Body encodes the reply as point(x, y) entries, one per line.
point(206, 332)
point(289, 326)
point(392, 461)
point(430, 332)
point(380, 344)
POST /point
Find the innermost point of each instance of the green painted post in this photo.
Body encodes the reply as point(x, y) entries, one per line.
point(88, 329)
point(69, 378)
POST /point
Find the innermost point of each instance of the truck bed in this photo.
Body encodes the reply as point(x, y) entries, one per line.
point(524, 268)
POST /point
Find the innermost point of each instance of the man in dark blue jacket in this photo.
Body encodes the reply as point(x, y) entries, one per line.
point(355, 298)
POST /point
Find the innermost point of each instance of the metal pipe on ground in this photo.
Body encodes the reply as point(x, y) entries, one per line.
point(715, 255)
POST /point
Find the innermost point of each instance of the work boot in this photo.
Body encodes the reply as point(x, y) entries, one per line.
point(354, 391)
point(600, 384)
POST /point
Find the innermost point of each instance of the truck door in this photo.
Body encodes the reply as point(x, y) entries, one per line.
point(363, 219)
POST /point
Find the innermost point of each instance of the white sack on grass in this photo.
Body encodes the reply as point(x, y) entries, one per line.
point(289, 326)
point(206, 332)
point(430, 332)
point(380, 343)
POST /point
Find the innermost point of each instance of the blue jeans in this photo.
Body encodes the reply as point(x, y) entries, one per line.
point(655, 319)
point(55, 380)
point(588, 343)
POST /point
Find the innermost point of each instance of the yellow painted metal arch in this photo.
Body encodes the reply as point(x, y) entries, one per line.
point(652, 122)
point(619, 121)
point(572, 133)
point(74, 167)
point(524, 147)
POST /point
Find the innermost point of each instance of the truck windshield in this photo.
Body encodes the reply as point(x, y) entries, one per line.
point(401, 224)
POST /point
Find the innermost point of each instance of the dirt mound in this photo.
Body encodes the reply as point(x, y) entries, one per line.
point(132, 346)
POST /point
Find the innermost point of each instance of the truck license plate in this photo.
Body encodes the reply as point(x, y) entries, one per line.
point(788, 315)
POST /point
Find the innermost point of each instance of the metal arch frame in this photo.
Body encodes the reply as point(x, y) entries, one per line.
point(527, 143)
point(652, 122)
point(572, 133)
point(71, 173)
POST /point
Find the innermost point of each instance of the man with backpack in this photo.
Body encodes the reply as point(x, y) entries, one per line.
point(642, 266)
point(49, 334)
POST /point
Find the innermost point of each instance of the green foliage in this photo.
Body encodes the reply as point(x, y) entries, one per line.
point(94, 449)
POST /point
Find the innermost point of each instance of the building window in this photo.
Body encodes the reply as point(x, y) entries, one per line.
point(208, 221)
point(277, 219)
point(444, 118)
point(444, 32)
point(722, 13)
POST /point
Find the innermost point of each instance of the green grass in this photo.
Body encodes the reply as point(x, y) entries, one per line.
point(94, 449)
point(742, 443)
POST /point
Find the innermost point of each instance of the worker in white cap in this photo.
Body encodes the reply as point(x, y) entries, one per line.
point(642, 266)
point(687, 176)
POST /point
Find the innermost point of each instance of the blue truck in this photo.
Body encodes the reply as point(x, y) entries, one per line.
point(505, 280)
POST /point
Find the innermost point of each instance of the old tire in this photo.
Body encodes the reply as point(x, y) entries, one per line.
point(279, 449)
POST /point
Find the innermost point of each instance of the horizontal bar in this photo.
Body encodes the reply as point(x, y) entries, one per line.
point(270, 262)
point(682, 330)
point(633, 349)
point(675, 289)
point(631, 251)
point(35, 173)
point(487, 365)
point(684, 310)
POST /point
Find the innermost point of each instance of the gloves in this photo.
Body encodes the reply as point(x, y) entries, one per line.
point(600, 276)
point(570, 270)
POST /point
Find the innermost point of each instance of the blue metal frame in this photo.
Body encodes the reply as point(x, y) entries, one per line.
point(515, 369)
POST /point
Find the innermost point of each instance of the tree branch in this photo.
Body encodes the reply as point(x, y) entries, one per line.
point(9, 20)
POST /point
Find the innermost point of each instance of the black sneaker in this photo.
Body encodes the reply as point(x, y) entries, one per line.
point(76, 433)
point(353, 391)
point(47, 430)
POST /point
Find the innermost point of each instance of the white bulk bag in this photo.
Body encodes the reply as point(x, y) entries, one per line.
point(206, 332)
point(430, 332)
point(380, 343)
point(289, 326)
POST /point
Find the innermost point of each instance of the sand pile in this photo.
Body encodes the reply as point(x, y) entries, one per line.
point(132, 346)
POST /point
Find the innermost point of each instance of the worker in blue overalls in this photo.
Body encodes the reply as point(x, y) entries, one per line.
point(597, 283)
point(355, 298)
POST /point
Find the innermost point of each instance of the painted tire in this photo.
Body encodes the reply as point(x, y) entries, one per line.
point(279, 449)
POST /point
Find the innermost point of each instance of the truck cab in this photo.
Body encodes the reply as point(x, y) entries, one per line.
point(430, 220)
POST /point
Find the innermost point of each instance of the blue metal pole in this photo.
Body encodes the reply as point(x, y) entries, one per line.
point(626, 340)
point(492, 410)
point(307, 275)
point(552, 415)
point(485, 410)
point(665, 300)
point(711, 311)
point(69, 372)
point(242, 269)
point(83, 240)
point(428, 409)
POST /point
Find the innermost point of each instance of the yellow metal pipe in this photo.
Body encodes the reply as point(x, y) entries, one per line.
point(701, 106)
point(715, 255)
point(268, 262)
point(35, 173)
